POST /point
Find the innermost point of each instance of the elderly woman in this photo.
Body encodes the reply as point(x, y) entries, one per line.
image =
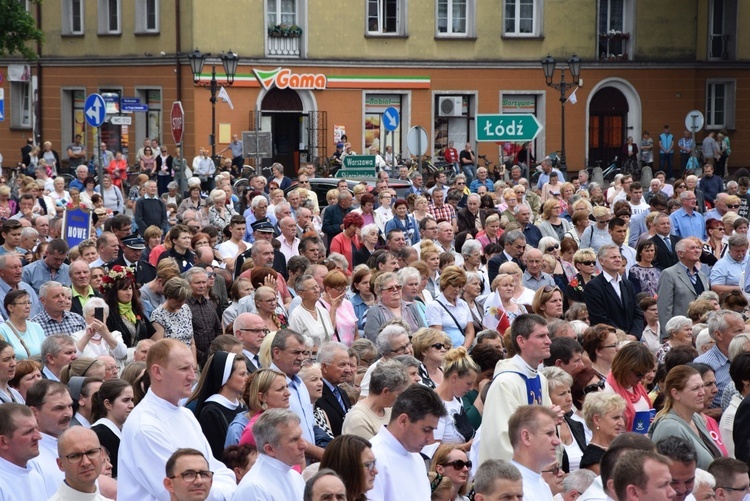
point(411, 283)
point(96, 339)
point(429, 347)
point(573, 441)
point(61, 196)
point(390, 305)
point(552, 224)
point(368, 240)
point(605, 417)
point(472, 291)
point(267, 307)
point(366, 417)
point(112, 196)
point(340, 309)
point(384, 209)
point(600, 343)
point(548, 303)
point(551, 246)
point(684, 392)
point(500, 310)
point(629, 366)
point(680, 331)
point(220, 214)
point(193, 202)
point(404, 222)
point(310, 318)
point(172, 196)
point(347, 242)
point(25, 336)
point(597, 234)
point(448, 312)
point(585, 262)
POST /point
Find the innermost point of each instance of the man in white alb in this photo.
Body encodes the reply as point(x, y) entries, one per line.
point(533, 435)
point(19, 443)
point(81, 460)
point(158, 426)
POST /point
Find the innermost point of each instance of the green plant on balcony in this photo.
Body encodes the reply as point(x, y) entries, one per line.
point(283, 30)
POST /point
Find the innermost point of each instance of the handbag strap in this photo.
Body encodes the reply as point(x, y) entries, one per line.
point(20, 339)
point(461, 330)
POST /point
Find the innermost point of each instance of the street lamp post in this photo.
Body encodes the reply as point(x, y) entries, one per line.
point(229, 60)
point(548, 65)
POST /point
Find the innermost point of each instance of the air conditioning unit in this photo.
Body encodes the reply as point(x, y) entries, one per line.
point(450, 106)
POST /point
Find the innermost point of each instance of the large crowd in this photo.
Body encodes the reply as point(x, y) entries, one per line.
point(488, 339)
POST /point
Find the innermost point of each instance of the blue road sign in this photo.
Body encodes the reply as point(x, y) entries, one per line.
point(391, 119)
point(2, 105)
point(134, 107)
point(130, 100)
point(94, 109)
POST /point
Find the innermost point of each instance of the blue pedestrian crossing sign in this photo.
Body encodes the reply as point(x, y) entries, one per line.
point(391, 119)
point(95, 110)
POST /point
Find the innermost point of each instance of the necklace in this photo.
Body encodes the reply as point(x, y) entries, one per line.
point(314, 312)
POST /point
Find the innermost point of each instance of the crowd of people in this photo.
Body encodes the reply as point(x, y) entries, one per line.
point(543, 339)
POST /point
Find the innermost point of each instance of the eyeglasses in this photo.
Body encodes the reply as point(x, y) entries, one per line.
point(439, 346)
point(588, 263)
point(553, 247)
point(22, 303)
point(190, 475)
point(211, 274)
point(554, 470)
point(369, 465)
point(720, 228)
point(392, 288)
point(459, 464)
point(402, 349)
point(594, 387)
point(298, 353)
point(608, 346)
point(76, 457)
point(550, 288)
point(738, 489)
point(257, 331)
point(734, 206)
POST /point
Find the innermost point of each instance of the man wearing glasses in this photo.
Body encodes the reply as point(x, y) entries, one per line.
point(81, 460)
point(731, 479)
point(251, 331)
point(188, 477)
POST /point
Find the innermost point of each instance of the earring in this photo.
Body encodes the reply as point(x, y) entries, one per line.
point(597, 427)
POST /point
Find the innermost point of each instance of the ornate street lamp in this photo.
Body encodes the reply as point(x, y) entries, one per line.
point(548, 66)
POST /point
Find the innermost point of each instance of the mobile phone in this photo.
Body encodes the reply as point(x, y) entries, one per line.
point(99, 314)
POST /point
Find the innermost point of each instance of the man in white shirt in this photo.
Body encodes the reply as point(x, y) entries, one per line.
point(19, 443)
point(278, 436)
point(108, 247)
point(188, 477)
point(53, 410)
point(58, 351)
point(533, 435)
point(158, 426)
point(618, 231)
point(497, 479)
point(401, 471)
point(80, 458)
point(637, 204)
point(230, 249)
point(288, 238)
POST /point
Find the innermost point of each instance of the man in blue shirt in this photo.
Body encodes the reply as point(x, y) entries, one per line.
point(726, 273)
point(666, 151)
point(546, 170)
point(51, 268)
point(481, 180)
point(686, 221)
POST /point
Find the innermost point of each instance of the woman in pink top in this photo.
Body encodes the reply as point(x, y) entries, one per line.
point(267, 390)
point(333, 299)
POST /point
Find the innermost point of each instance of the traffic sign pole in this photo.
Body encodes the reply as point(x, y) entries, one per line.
point(95, 111)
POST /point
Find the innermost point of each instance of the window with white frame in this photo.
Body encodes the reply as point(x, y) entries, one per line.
point(386, 17)
point(615, 26)
point(110, 17)
point(20, 102)
point(72, 17)
point(282, 12)
point(522, 18)
point(720, 104)
point(147, 16)
point(455, 18)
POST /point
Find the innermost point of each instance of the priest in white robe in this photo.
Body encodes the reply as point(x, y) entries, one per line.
point(81, 460)
point(401, 469)
point(19, 443)
point(533, 434)
point(516, 382)
point(279, 438)
point(158, 426)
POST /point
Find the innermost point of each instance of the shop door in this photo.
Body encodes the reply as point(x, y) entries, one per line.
point(284, 107)
point(608, 125)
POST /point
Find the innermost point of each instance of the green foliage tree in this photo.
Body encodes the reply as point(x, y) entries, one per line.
point(17, 28)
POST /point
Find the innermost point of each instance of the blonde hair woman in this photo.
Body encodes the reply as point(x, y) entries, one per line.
point(597, 234)
point(552, 224)
point(430, 346)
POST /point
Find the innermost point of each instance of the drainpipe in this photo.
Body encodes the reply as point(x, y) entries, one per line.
point(178, 48)
point(37, 132)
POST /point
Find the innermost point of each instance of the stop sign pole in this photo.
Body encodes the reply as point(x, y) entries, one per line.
point(177, 122)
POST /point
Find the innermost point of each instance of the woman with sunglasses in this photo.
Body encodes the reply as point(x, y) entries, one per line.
point(597, 234)
point(548, 303)
point(629, 366)
point(430, 346)
point(351, 457)
point(453, 463)
point(644, 275)
point(390, 305)
point(585, 263)
point(600, 343)
point(551, 246)
point(716, 246)
point(685, 394)
point(605, 416)
point(680, 332)
point(448, 312)
point(266, 302)
point(585, 382)
point(571, 433)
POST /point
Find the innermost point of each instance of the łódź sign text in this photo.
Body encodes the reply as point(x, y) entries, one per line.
point(510, 127)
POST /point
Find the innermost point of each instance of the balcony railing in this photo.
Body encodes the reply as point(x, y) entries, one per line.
point(719, 47)
point(284, 45)
point(613, 46)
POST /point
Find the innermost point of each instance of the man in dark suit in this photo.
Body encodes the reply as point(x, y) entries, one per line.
point(514, 246)
point(132, 257)
point(334, 365)
point(26, 151)
point(609, 298)
point(250, 330)
point(467, 217)
point(665, 243)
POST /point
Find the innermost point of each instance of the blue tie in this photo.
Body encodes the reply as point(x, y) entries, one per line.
point(337, 394)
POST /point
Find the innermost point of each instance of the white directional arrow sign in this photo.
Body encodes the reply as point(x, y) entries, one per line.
point(94, 109)
point(391, 119)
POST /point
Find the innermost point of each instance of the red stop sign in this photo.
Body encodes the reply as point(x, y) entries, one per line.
point(177, 119)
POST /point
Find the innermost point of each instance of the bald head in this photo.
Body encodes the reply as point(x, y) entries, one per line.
point(250, 329)
point(80, 475)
